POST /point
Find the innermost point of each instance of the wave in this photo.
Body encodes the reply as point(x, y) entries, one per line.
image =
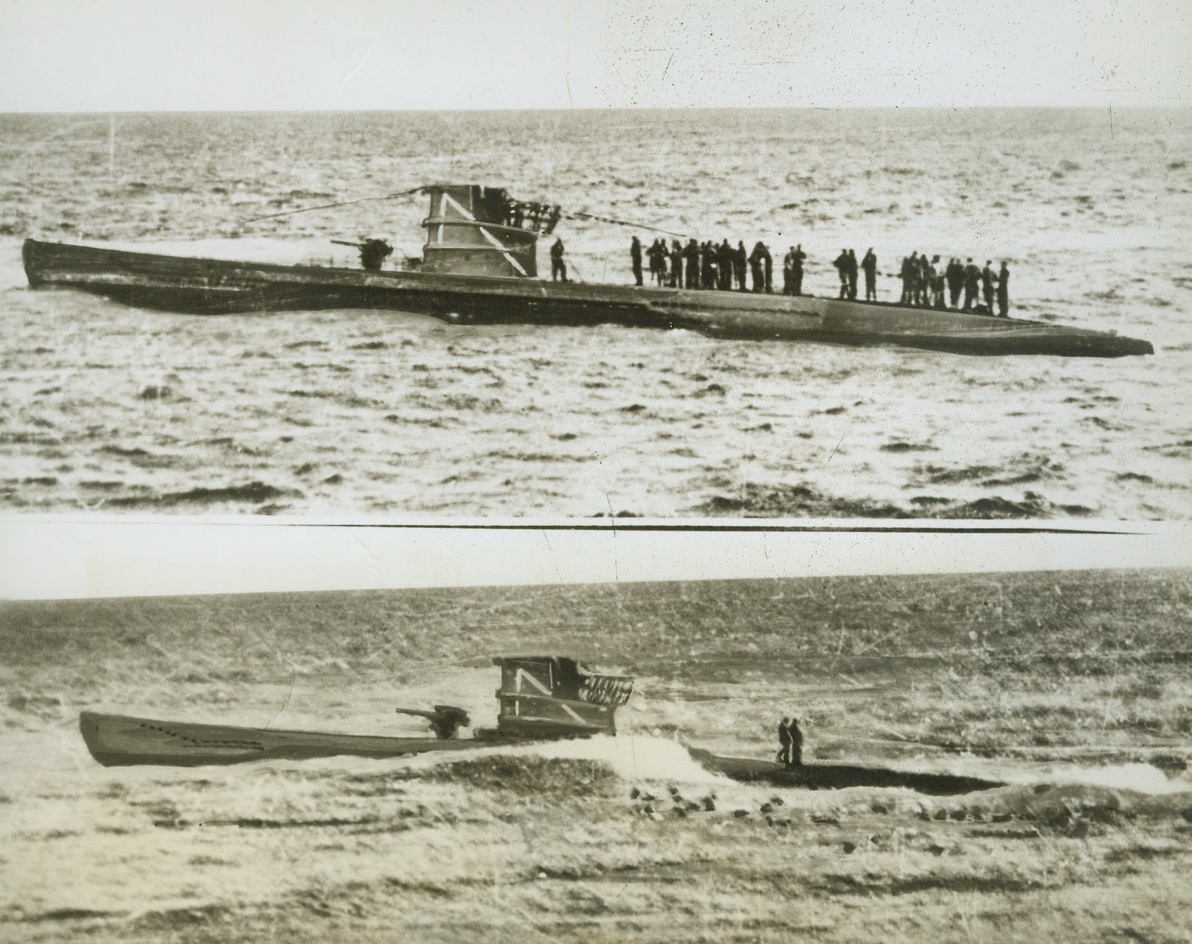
point(805, 501)
point(255, 493)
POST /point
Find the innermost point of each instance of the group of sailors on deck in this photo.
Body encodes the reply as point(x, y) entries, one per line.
point(704, 265)
point(924, 284)
point(723, 267)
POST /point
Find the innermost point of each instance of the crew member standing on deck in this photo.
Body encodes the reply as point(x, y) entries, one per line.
point(796, 743)
point(635, 255)
point(797, 270)
point(1003, 291)
point(724, 264)
point(937, 284)
point(841, 264)
point(955, 281)
point(987, 285)
point(784, 742)
point(558, 268)
point(676, 264)
point(658, 261)
point(852, 275)
point(755, 265)
point(740, 263)
point(691, 263)
point(923, 282)
point(708, 261)
point(972, 282)
point(927, 271)
point(869, 267)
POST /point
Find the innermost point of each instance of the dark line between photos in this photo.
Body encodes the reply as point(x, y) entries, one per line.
point(621, 525)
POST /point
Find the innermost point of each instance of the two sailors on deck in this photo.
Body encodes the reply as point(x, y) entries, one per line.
point(907, 275)
point(658, 255)
point(846, 264)
point(790, 741)
point(792, 271)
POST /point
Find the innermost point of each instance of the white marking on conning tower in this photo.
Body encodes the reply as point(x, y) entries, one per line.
point(484, 232)
point(522, 674)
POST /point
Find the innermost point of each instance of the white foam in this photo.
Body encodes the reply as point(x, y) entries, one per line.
point(635, 757)
point(1141, 778)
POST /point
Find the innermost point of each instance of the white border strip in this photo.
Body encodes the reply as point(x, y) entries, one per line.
point(42, 558)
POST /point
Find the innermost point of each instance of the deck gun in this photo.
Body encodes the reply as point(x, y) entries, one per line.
point(446, 720)
point(373, 252)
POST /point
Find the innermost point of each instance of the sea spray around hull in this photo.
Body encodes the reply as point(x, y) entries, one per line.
point(635, 757)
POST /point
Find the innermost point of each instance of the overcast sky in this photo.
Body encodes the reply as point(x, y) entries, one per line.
point(146, 55)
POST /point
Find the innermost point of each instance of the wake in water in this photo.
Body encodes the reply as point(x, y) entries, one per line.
point(663, 762)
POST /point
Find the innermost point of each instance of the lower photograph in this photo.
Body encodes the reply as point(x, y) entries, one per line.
point(935, 757)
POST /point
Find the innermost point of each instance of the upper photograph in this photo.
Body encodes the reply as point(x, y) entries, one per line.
point(595, 262)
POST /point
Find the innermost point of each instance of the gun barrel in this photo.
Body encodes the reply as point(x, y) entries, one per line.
point(419, 713)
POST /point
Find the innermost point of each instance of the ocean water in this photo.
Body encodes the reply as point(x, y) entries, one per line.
point(348, 413)
point(1071, 687)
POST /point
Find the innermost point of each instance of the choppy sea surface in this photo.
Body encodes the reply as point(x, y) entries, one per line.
point(1072, 688)
point(112, 408)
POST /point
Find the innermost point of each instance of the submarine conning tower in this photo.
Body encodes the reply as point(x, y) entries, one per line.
point(553, 696)
point(473, 230)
